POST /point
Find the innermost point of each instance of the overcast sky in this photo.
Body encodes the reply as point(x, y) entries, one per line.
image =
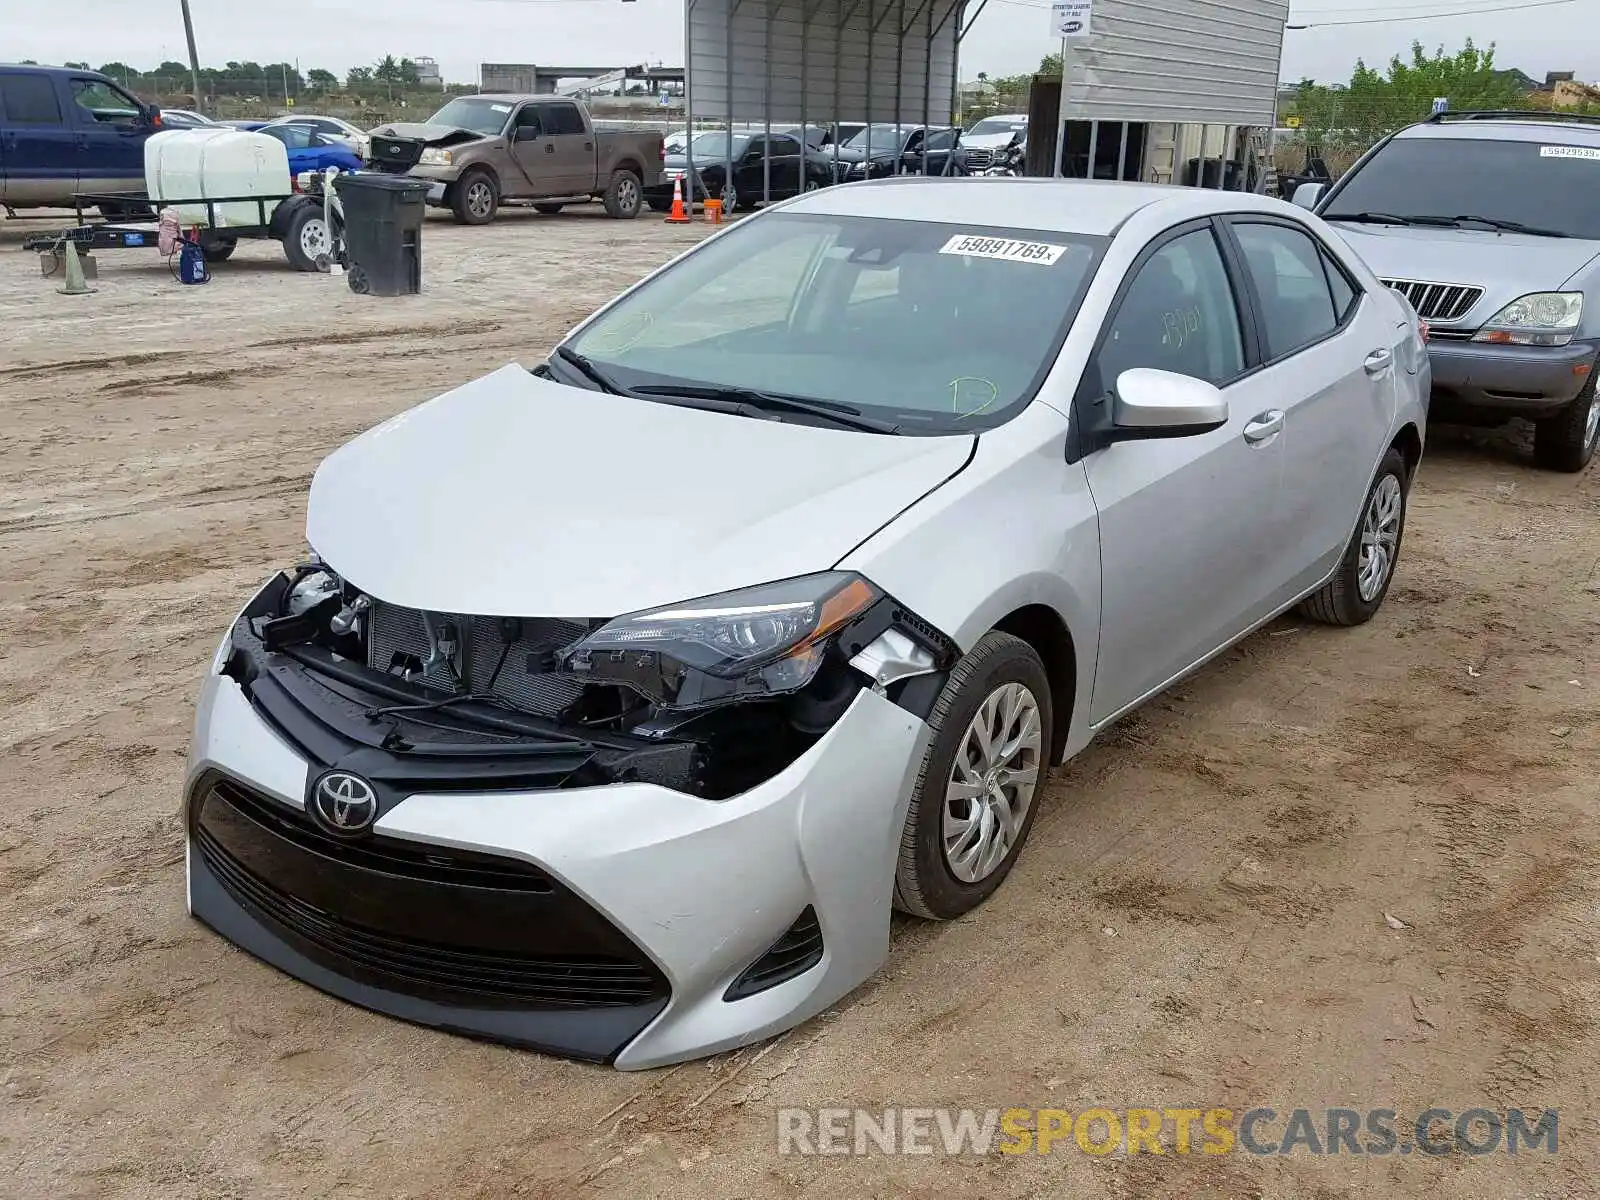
point(1008, 38)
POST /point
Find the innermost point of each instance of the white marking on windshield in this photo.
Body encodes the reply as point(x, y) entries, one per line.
point(1005, 249)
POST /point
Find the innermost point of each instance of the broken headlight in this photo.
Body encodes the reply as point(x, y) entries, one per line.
point(741, 645)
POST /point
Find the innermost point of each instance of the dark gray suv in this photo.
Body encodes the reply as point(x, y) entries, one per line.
point(1489, 223)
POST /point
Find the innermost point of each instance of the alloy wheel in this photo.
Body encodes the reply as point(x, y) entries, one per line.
point(992, 781)
point(479, 199)
point(1591, 422)
point(627, 195)
point(1380, 538)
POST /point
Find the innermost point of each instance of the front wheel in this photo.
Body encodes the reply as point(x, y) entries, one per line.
point(475, 199)
point(1362, 580)
point(624, 195)
point(973, 803)
point(1566, 441)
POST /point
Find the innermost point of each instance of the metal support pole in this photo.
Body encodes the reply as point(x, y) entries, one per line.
point(838, 51)
point(1061, 115)
point(1094, 150)
point(688, 96)
point(727, 87)
point(899, 77)
point(1225, 155)
point(1122, 154)
point(766, 153)
point(194, 57)
point(927, 80)
point(872, 36)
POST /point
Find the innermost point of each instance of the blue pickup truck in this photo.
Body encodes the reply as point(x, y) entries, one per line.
point(64, 132)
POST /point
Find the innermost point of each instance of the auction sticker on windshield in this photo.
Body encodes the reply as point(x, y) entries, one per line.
point(1592, 153)
point(973, 246)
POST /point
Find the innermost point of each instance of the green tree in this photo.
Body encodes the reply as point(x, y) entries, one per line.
point(408, 72)
point(387, 69)
point(356, 76)
point(322, 81)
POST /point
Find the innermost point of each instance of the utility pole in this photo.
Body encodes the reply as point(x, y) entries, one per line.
point(194, 57)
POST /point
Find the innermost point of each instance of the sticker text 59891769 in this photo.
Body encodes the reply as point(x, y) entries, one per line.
point(1008, 249)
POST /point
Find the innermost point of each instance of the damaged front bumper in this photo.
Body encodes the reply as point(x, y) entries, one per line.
point(624, 922)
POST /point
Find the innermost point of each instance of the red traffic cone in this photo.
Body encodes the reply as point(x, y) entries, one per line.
point(678, 216)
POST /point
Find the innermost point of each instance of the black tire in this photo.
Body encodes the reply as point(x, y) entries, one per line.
point(924, 884)
point(1339, 601)
point(624, 195)
point(219, 249)
point(356, 280)
point(1565, 442)
point(548, 210)
point(475, 198)
point(295, 239)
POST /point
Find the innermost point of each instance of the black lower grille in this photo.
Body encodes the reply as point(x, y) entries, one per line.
point(792, 955)
point(470, 930)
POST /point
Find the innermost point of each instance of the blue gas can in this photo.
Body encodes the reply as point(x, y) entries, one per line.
point(192, 264)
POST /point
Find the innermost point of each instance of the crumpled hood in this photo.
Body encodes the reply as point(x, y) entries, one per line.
point(516, 496)
point(430, 134)
point(1505, 265)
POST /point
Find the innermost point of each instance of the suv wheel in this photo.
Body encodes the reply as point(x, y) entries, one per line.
point(974, 800)
point(1566, 441)
point(624, 194)
point(1362, 580)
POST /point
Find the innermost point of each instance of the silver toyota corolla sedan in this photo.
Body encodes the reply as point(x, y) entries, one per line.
point(619, 700)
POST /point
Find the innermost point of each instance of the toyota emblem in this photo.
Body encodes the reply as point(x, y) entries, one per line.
point(344, 804)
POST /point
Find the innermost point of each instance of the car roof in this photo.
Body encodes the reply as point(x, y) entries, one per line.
point(1081, 206)
point(37, 69)
point(1518, 127)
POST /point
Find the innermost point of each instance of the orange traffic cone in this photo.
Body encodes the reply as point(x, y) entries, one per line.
point(677, 216)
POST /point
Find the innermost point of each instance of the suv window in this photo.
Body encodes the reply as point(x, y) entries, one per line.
point(105, 103)
point(1178, 315)
point(1546, 182)
point(561, 119)
point(1297, 307)
point(30, 99)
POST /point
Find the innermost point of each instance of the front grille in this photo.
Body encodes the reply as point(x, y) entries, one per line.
point(422, 920)
point(392, 856)
point(396, 637)
point(978, 159)
point(792, 955)
point(1437, 301)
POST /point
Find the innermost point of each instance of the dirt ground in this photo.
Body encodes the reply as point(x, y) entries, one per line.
point(1199, 920)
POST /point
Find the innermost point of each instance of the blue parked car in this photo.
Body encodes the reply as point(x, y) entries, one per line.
point(311, 151)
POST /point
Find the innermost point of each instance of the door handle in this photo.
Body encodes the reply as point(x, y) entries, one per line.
point(1378, 361)
point(1263, 427)
point(588, 145)
point(549, 148)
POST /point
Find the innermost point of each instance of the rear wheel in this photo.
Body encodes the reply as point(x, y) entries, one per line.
point(1566, 441)
point(624, 195)
point(1358, 587)
point(973, 804)
point(307, 242)
point(475, 199)
point(548, 210)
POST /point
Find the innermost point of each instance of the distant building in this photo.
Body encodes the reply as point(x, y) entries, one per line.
point(513, 78)
point(428, 71)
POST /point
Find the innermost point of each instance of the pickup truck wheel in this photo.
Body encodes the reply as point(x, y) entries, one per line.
point(973, 803)
point(548, 210)
point(624, 195)
point(1566, 441)
point(1362, 580)
point(474, 198)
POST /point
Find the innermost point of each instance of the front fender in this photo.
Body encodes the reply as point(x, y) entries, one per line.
point(1018, 527)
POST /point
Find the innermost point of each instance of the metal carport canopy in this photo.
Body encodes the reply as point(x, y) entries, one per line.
point(770, 62)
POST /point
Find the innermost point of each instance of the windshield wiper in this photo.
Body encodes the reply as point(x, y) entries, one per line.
point(1495, 223)
point(1369, 218)
point(770, 402)
point(591, 372)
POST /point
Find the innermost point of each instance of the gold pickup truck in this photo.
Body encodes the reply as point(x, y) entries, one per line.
point(482, 151)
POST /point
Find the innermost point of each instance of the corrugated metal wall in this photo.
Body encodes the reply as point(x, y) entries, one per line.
point(1201, 61)
point(851, 60)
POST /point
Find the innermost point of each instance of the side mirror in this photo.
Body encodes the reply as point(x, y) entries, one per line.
point(152, 116)
point(526, 133)
point(1148, 403)
point(1307, 195)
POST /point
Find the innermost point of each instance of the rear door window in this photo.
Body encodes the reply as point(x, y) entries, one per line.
point(30, 99)
point(562, 119)
point(1286, 268)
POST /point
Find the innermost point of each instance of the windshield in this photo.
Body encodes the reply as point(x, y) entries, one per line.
point(1545, 185)
point(483, 117)
point(883, 137)
point(714, 145)
point(999, 125)
point(936, 328)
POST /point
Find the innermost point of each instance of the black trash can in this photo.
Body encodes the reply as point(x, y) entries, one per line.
point(383, 232)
